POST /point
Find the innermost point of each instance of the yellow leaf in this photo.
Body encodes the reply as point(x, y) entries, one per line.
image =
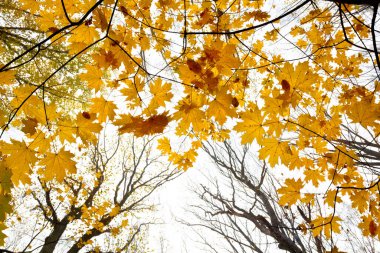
point(7, 77)
point(274, 149)
point(19, 158)
point(331, 199)
point(325, 224)
point(83, 127)
point(161, 94)
point(5, 178)
point(93, 77)
point(360, 112)
point(164, 145)
point(189, 113)
point(124, 223)
point(298, 77)
point(115, 211)
point(47, 20)
point(221, 106)
point(360, 200)
point(57, 165)
point(100, 19)
point(251, 125)
point(315, 176)
point(290, 193)
point(84, 34)
point(3, 236)
point(40, 142)
point(131, 91)
point(105, 109)
point(368, 226)
point(144, 40)
point(86, 128)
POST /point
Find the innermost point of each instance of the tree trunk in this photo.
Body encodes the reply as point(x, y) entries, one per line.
point(52, 240)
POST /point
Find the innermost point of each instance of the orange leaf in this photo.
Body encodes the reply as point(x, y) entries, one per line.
point(194, 66)
point(372, 228)
point(285, 85)
point(140, 127)
point(30, 125)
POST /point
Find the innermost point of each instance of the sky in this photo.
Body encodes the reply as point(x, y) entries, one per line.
point(173, 199)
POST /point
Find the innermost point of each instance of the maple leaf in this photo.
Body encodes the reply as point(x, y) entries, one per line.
point(7, 77)
point(132, 90)
point(326, 224)
point(221, 106)
point(372, 228)
point(86, 128)
point(368, 226)
point(140, 126)
point(360, 112)
point(5, 179)
point(315, 176)
point(100, 19)
point(189, 113)
point(258, 15)
point(194, 66)
point(66, 131)
point(161, 94)
point(291, 192)
point(164, 145)
point(20, 157)
point(342, 159)
point(144, 40)
point(41, 142)
point(93, 77)
point(251, 125)
point(105, 109)
point(274, 149)
point(299, 77)
point(32, 106)
point(205, 18)
point(360, 199)
point(57, 165)
point(84, 34)
point(47, 20)
point(154, 124)
point(228, 59)
point(274, 107)
point(331, 198)
point(83, 127)
point(30, 125)
point(105, 59)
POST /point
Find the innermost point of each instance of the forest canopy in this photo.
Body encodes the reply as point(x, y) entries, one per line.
point(299, 80)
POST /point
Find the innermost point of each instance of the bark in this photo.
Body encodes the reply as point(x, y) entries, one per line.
point(52, 240)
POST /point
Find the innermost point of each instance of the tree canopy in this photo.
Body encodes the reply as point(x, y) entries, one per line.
point(297, 79)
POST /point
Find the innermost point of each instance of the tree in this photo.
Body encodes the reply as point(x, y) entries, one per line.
point(239, 203)
point(299, 79)
point(103, 207)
